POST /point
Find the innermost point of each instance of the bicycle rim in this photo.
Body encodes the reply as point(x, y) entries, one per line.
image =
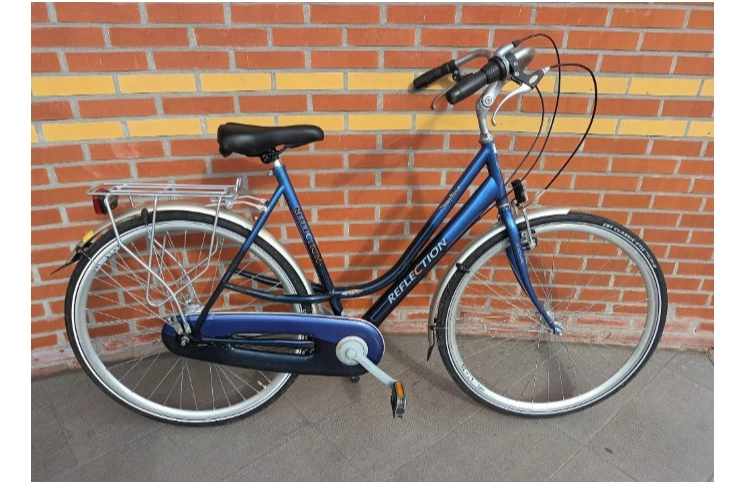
point(595, 278)
point(118, 310)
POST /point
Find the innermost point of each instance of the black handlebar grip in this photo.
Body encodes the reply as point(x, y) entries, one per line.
point(434, 75)
point(467, 86)
point(493, 71)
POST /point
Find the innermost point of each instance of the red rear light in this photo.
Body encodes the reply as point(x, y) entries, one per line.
point(99, 204)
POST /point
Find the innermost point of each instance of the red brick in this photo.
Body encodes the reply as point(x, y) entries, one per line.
point(186, 13)
point(148, 36)
point(92, 172)
point(436, 160)
point(39, 176)
point(37, 310)
point(415, 58)
point(636, 64)
point(503, 36)
point(198, 105)
point(49, 291)
point(696, 268)
point(690, 253)
point(703, 186)
point(577, 16)
point(701, 20)
point(347, 142)
point(345, 14)
point(346, 178)
point(191, 60)
point(97, 12)
point(688, 109)
point(616, 146)
point(270, 13)
point(56, 235)
point(170, 168)
point(572, 199)
point(697, 220)
point(705, 328)
point(602, 40)
point(676, 202)
point(409, 102)
point(657, 166)
point(56, 154)
point(418, 14)
point(66, 37)
point(606, 182)
point(665, 184)
point(378, 196)
point(45, 217)
point(651, 18)
point(318, 162)
point(345, 102)
point(378, 160)
point(187, 147)
point(44, 341)
point(270, 60)
point(496, 14)
point(411, 142)
point(695, 65)
point(229, 37)
point(288, 36)
point(262, 103)
point(455, 37)
point(380, 36)
point(678, 42)
point(44, 62)
point(696, 167)
point(709, 149)
point(111, 108)
point(39, 12)
point(126, 150)
point(48, 111)
point(349, 59)
point(654, 219)
point(627, 107)
point(676, 147)
point(626, 200)
point(412, 179)
point(578, 163)
point(555, 144)
point(106, 61)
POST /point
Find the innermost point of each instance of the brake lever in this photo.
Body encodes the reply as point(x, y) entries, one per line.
point(528, 82)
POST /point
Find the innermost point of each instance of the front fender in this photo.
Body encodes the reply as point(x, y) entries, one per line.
point(496, 229)
point(225, 214)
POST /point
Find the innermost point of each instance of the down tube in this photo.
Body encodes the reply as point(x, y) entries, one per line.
point(486, 195)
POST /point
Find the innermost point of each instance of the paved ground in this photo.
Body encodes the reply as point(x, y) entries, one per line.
point(659, 428)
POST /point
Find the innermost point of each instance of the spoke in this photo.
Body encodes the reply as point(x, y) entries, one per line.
point(191, 384)
point(164, 378)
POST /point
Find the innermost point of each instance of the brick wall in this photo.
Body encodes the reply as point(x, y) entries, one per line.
point(124, 91)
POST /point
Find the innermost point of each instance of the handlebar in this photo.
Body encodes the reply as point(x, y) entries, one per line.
point(505, 62)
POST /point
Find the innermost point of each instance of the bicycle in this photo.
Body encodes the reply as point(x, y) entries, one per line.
point(192, 314)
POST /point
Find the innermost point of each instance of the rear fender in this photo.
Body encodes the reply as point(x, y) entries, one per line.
point(225, 214)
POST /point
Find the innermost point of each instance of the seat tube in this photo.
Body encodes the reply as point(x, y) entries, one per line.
point(303, 226)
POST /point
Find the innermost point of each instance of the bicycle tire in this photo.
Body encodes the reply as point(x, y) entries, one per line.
point(120, 349)
point(498, 350)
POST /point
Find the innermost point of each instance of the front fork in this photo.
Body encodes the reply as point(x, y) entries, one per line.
point(518, 262)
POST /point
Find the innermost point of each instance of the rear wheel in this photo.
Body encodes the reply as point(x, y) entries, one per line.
point(115, 310)
point(595, 277)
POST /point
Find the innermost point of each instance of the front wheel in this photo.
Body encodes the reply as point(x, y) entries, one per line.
point(115, 310)
point(596, 278)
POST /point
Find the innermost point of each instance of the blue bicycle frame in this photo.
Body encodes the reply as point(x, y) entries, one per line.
point(416, 261)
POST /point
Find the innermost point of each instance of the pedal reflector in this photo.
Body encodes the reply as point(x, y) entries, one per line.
point(398, 400)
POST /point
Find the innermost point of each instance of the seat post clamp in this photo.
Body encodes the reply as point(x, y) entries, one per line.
point(272, 155)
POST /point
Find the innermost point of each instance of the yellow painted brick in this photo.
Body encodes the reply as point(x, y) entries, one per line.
point(82, 131)
point(708, 89)
point(379, 122)
point(311, 80)
point(391, 81)
point(164, 127)
point(326, 123)
point(447, 122)
point(578, 125)
point(664, 86)
point(235, 82)
point(70, 86)
point(157, 83)
point(652, 127)
point(214, 123)
point(34, 136)
point(583, 84)
point(519, 124)
point(701, 129)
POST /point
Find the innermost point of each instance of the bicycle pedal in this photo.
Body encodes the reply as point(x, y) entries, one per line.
point(398, 400)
